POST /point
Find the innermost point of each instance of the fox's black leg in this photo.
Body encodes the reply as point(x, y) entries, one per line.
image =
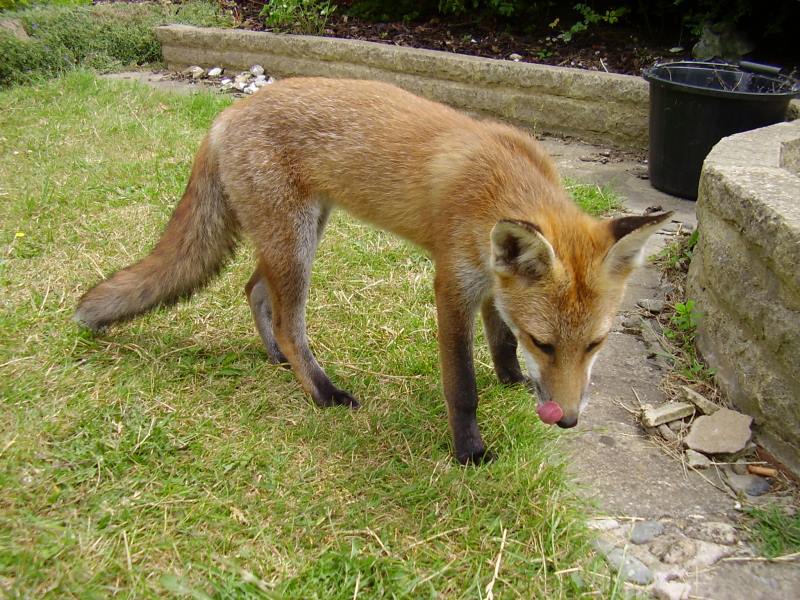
point(502, 345)
point(455, 317)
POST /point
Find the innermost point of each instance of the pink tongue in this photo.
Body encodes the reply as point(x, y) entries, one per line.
point(549, 412)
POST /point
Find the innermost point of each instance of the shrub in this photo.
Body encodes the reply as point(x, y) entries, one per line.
point(300, 16)
point(101, 37)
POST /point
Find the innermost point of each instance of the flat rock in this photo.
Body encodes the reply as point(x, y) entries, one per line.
point(697, 460)
point(724, 432)
point(665, 589)
point(667, 433)
point(651, 305)
point(752, 485)
point(215, 72)
point(633, 322)
point(678, 426)
point(707, 554)
point(714, 531)
point(703, 404)
point(670, 411)
point(673, 549)
point(629, 567)
point(644, 532)
point(603, 524)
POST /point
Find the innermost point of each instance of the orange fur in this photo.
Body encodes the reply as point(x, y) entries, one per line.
point(482, 198)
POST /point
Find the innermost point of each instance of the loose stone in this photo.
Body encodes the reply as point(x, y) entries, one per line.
point(673, 549)
point(671, 411)
point(708, 554)
point(651, 305)
point(697, 460)
point(633, 322)
point(678, 426)
point(752, 485)
point(603, 524)
point(257, 70)
point(670, 590)
point(714, 531)
point(667, 433)
point(644, 532)
point(726, 431)
point(704, 405)
point(629, 567)
point(215, 72)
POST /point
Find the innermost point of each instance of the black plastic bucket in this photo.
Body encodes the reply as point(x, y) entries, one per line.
point(693, 105)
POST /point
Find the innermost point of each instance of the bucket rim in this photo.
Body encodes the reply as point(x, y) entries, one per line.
point(784, 80)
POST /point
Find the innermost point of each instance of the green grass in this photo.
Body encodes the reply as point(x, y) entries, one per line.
point(168, 458)
point(102, 37)
point(776, 532)
point(594, 199)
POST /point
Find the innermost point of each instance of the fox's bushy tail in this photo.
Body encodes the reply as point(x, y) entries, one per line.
point(197, 241)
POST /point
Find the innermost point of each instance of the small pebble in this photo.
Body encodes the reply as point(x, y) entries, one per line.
point(257, 70)
point(632, 322)
point(515, 57)
point(643, 532)
point(678, 426)
point(667, 433)
point(215, 72)
point(651, 305)
point(603, 524)
point(697, 460)
point(629, 567)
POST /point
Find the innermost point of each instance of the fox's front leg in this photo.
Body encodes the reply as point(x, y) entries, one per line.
point(455, 317)
point(502, 345)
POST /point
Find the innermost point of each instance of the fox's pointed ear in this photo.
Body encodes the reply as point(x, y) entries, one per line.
point(520, 249)
point(630, 235)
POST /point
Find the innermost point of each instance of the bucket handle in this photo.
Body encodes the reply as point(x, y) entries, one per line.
point(752, 67)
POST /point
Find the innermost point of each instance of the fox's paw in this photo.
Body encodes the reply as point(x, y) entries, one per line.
point(514, 377)
point(340, 398)
point(477, 457)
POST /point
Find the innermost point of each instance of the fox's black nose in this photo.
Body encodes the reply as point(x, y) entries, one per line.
point(567, 422)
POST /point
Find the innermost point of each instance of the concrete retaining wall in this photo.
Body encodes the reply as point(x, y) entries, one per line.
point(601, 107)
point(745, 277)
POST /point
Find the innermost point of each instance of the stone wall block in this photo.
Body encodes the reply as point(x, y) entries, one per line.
point(606, 108)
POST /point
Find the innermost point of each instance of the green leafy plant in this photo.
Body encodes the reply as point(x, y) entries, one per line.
point(300, 16)
point(681, 331)
point(676, 256)
point(776, 532)
point(590, 17)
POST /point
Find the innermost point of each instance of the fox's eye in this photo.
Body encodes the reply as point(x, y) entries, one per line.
point(548, 349)
point(594, 345)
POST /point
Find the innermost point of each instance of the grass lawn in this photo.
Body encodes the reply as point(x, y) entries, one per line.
point(168, 458)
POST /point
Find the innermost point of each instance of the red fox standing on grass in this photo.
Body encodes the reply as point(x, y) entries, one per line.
point(482, 198)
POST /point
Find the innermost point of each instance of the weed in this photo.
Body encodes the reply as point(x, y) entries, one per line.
point(776, 532)
point(674, 259)
point(589, 18)
point(681, 331)
point(299, 16)
point(594, 199)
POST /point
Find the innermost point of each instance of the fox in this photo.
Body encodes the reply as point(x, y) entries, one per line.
point(481, 198)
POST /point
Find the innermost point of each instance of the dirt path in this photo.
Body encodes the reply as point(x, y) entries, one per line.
point(686, 522)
